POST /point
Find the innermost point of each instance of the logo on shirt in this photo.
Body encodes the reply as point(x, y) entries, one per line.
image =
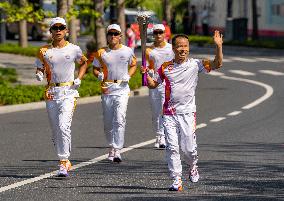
point(67, 56)
point(170, 67)
point(123, 58)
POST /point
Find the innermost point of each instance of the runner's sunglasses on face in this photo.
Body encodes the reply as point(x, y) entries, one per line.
point(110, 33)
point(60, 28)
point(158, 32)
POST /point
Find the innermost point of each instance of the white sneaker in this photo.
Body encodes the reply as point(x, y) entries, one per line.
point(64, 167)
point(177, 185)
point(111, 154)
point(117, 156)
point(157, 143)
point(193, 174)
point(162, 143)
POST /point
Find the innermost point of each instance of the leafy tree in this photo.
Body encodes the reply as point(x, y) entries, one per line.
point(100, 34)
point(22, 13)
point(121, 18)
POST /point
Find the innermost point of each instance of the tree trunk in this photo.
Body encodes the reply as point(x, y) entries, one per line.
point(61, 8)
point(23, 33)
point(167, 11)
point(72, 25)
point(121, 18)
point(254, 20)
point(2, 27)
point(100, 31)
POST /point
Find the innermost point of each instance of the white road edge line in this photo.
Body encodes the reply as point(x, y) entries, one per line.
point(268, 93)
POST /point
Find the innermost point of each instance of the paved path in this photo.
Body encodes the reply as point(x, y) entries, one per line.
point(240, 138)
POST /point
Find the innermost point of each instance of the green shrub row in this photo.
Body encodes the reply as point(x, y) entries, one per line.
point(8, 75)
point(16, 49)
point(18, 94)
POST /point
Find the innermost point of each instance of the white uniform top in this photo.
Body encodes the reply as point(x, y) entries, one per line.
point(156, 57)
point(59, 66)
point(181, 81)
point(61, 62)
point(114, 64)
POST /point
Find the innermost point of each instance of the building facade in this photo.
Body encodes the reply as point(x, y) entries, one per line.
point(270, 15)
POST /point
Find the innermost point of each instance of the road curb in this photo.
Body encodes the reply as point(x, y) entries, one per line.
point(143, 91)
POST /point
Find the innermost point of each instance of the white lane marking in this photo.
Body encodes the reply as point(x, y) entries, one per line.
point(271, 72)
point(216, 73)
point(218, 119)
point(234, 113)
point(201, 126)
point(242, 72)
point(242, 59)
point(268, 93)
point(268, 59)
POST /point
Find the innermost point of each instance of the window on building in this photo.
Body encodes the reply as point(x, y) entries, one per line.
point(278, 10)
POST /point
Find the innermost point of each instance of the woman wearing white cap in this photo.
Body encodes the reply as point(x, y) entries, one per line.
point(156, 55)
point(56, 61)
point(113, 66)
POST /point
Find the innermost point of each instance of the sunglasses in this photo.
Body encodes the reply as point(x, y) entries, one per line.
point(113, 33)
point(60, 28)
point(158, 32)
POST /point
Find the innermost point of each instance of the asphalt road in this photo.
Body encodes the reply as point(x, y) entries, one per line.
point(240, 138)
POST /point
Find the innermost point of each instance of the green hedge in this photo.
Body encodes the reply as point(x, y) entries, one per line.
point(18, 94)
point(276, 44)
point(16, 49)
point(8, 75)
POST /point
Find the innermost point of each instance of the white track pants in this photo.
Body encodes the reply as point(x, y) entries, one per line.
point(60, 114)
point(157, 99)
point(180, 133)
point(114, 111)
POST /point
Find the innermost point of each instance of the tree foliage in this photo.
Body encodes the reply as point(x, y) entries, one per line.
point(86, 8)
point(16, 13)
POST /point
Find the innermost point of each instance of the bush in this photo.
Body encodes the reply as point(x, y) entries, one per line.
point(20, 94)
point(8, 75)
point(25, 94)
point(16, 49)
point(201, 40)
point(275, 44)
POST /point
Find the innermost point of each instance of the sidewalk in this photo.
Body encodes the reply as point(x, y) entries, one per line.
point(24, 66)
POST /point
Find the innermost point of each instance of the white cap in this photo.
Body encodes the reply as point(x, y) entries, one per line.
point(57, 20)
point(114, 26)
point(159, 27)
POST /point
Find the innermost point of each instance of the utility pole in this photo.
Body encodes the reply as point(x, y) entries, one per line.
point(254, 20)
